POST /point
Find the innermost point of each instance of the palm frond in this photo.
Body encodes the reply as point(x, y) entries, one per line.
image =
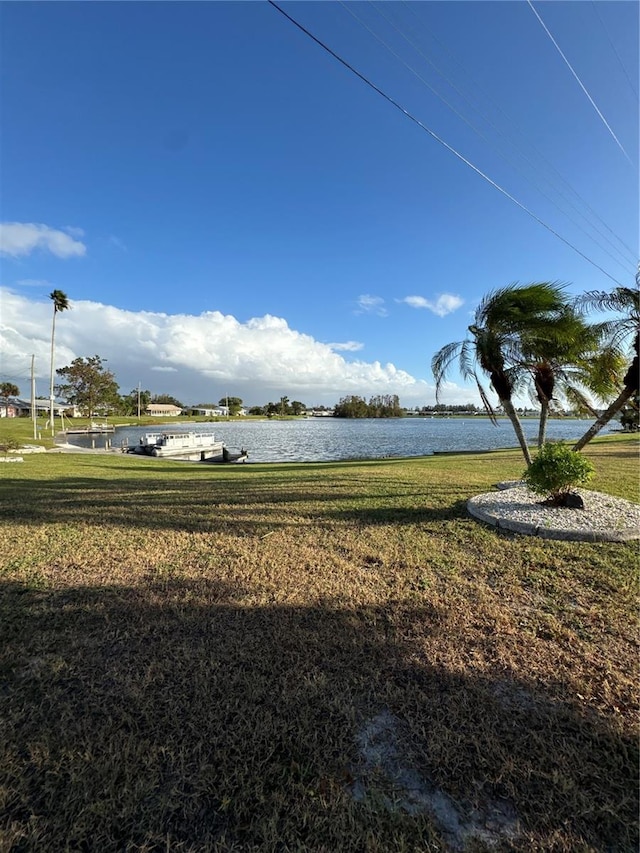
point(523, 306)
point(486, 403)
point(623, 300)
point(512, 351)
point(625, 329)
point(467, 359)
point(60, 300)
point(531, 393)
point(517, 378)
point(442, 361)
point(578, 400)
point(603, 373)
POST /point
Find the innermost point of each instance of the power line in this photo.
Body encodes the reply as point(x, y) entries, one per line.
point(570, 67)
point(437, 138)
point(16, 380)
point(510, 120)
point(625, 264)
point(631, 254)
point(626, 73)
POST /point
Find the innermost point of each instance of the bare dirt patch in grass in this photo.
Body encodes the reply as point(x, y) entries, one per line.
point(383, 766)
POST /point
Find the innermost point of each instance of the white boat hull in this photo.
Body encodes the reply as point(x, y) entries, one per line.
point(185, 446)
point(212, 451)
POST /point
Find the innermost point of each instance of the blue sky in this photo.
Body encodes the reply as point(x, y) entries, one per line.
point(230, 210)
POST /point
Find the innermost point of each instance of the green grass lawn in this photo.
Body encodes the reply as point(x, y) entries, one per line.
point(309, 657)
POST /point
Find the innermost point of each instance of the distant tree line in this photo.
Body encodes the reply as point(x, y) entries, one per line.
point(380, 406)
point(282, 407)
point(232, 404)
point(440, 408)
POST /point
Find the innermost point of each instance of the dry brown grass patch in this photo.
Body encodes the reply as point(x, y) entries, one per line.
point(190, 658)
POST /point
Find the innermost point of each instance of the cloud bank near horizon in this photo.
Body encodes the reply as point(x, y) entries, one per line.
point(199, 358)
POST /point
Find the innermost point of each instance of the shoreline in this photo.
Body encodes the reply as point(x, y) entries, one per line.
point(66, 447)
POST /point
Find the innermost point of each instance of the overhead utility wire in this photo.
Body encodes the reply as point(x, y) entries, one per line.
point(631, 251)
point(613, 47)
point(631, 255)
point(437, 138)
point(625, 263)
point(570, 67)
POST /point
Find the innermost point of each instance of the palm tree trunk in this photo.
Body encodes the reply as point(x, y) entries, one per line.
point(511, 413)
point(605, 417)
point(544, 417)
point(51, 406)
point(630, 389)
point(544, 381)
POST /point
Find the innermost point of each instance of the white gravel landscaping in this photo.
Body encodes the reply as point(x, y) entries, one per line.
point(603, 519)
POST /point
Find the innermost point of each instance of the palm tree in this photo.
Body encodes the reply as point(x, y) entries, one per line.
point(599, 373)
point(501, 320)
point(626, 301)
point(8, 389)
point(60, 303)
point(565, 358)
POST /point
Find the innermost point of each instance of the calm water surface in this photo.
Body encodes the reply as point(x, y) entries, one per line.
point(326, 439)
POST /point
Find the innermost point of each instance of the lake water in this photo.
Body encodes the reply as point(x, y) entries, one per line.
point(326, 439)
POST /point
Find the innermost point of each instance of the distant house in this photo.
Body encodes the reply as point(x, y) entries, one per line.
point(22, 408)
point(214, 411)
point(210, 411)
point(60, 407)
point(163, 410)
point(10, 408)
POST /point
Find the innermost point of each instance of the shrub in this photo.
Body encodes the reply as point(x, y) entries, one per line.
point(8, 444)
point(557, 470)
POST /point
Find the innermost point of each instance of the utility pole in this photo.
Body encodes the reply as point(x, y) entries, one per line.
point(138, 401)
point(33, 398)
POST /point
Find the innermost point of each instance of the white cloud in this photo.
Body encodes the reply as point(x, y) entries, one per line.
point(368, 304)
point(445, 304)
point(346, 346)
point(33, 282)
point(75, 232)
point(195, 357)
point(22, 238)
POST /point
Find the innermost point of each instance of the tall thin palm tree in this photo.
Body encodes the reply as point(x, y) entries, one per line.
point(60, 303)
point(625, 301)
point(495, 345)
